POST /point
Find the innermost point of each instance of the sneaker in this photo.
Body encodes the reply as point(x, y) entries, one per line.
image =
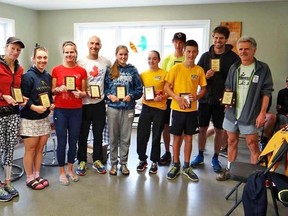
point(165, 159)
point(124, 170)
point(216, 165)
point(142, 166)
point(4, 195)
point(223, 152)
point(197, 161)
point(188, 172)
point(81, 169)
point(153, 169)
point(9, 188)
point(173, 173)
point(225, 175)
point(283, 196)
point(99, 167)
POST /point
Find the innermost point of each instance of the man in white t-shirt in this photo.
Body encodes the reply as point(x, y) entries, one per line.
point(94, 110)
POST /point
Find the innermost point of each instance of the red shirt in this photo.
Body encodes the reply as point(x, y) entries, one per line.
point(6, 79)
point(67, 99)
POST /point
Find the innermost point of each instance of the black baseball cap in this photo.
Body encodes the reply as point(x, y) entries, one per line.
point(12, 40)
point(179, 36)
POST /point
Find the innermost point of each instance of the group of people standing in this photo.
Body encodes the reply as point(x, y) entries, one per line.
point(75, 93)
point(177, 98)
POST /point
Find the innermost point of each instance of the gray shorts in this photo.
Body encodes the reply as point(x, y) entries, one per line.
point(236, 127)
point(282, 119)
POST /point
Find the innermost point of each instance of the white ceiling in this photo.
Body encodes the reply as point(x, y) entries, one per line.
point(86, 4)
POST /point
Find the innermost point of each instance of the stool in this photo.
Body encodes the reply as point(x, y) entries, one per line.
point(17, 171)
point(48, 161)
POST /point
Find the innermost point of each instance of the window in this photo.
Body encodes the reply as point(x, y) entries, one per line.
point(141, 37)
point(7, 29)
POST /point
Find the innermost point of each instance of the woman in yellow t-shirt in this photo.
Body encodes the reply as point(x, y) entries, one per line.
point(153, 112)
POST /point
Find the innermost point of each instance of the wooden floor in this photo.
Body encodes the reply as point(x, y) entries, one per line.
point(140, 194)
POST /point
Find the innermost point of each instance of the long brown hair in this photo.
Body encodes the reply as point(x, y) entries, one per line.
point(114, 69)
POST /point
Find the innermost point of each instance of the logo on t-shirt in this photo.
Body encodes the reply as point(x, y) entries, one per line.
point(157, 78)
point(194, 77)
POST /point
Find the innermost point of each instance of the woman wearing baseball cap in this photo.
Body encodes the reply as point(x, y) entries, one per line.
point(10, 82)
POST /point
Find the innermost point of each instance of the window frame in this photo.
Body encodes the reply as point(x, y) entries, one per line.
point(161, 26)
point(8, 26)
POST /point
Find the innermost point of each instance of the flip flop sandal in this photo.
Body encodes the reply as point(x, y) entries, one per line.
point(35, 185)
point(73, 177)
point(43, 181)
point(63, 180)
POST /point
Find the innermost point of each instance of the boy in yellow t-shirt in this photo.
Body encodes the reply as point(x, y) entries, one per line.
point(182, 83)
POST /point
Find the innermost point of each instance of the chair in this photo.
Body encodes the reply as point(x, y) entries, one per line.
point(270, 157)
point(48, 160)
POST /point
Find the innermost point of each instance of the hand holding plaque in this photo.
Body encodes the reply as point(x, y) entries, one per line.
point(120, 92)
point(45, 100)
point(17, 95)
point(187, 99)
point(95, 91)
point(228, 98)
point(149, 92)
point(215, 65)
point(70, 82)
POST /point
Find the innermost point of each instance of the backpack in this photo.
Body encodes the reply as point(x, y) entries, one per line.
point(254, 195)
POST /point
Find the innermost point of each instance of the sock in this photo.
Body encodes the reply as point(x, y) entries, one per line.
point(176, 164)
point(228, 164)
point(36, 174)
point(201, 153)
point(8, 170)
point(264, 140)
point(215, 156)
point(186, 165)
point(29, 178)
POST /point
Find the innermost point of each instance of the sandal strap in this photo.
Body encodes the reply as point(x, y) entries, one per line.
point(41, 180)
point(34, 184)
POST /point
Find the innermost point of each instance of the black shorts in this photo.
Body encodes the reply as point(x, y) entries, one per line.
point(167, 111)
point(207, 113)
point(183, 122)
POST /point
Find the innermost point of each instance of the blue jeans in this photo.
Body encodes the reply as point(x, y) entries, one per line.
point(67, 121)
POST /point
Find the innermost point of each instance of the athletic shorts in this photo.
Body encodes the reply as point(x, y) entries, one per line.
point(236, 127)
point(282, 119)
point(183, 122)
point(207, 113)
